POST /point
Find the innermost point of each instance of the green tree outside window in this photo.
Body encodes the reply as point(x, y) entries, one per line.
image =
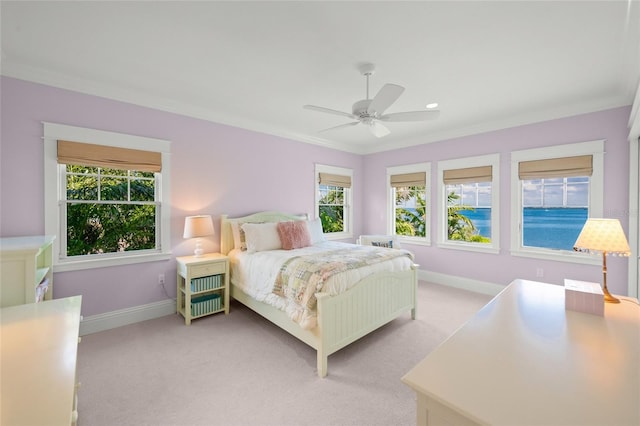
point(331, 208)
point(460, 227)
point(109, 210)
point(411, 221)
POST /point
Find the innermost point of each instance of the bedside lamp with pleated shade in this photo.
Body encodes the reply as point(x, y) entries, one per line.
point(606, 237)
point(198, 227)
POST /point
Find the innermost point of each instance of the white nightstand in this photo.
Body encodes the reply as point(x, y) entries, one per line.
point(203, 285)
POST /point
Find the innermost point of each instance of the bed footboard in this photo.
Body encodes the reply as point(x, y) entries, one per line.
point(375, 301)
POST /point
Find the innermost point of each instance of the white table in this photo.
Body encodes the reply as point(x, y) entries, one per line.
point(38, 350)
point(524, 360)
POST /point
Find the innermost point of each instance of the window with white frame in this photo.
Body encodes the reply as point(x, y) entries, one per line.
point(106, 197)
point(468, 200)
point(554, 190)
point(333, 200)
point(408, 201)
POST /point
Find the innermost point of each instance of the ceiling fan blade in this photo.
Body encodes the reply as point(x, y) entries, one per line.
point(385, 97)
point(378, 130)
point(411, 116)
point(329, 111)
point(340, 126)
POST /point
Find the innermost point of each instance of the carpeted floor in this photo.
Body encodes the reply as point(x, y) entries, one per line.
point(242, 370)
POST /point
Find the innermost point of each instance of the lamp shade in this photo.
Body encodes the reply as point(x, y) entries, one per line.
point(198, 226)
point(602, 236)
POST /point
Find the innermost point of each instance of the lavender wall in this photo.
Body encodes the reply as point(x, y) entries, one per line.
point(216, 169)
point(219, 169)
point(502, 268)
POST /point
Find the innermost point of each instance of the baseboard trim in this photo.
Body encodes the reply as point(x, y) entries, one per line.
point(460, 282)
point(113, 319)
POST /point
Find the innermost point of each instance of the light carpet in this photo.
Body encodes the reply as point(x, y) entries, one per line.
point(240, 369)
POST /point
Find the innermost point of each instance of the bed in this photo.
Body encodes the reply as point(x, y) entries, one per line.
point(340, 319)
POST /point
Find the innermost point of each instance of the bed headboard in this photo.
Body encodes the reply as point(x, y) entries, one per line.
point(226, 234)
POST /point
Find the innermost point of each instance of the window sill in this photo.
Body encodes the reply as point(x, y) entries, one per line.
point(414, 241)
point(338, 236)
point(559, 256)
point(103, 262)
point(477, 247)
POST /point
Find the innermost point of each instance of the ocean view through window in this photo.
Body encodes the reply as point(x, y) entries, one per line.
point(465, 198)
point(554, 210)
point(554, 190)
point(554, 228)
point(465, 184)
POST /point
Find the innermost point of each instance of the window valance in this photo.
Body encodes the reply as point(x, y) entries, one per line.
point(408, 179)
point(87, 154)
point(556, 167)
point(468, 175)
point(335, 180)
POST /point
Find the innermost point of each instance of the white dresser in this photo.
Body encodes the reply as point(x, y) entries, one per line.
point(524, 360)
point(38, 353)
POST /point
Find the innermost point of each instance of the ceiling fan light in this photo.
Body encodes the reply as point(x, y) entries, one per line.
point(377, 129)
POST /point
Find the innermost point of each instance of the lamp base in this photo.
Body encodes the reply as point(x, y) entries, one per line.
point(198, 251)
point(608, 297)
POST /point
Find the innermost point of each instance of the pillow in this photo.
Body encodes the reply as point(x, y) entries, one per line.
point(294, 234)
point(387, 244)
point(261, 236)
point(389, 241)
point(239, 239)
point(315, 231)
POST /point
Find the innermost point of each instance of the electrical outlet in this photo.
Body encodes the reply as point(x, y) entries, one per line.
point(539, 272)
point(161, 279)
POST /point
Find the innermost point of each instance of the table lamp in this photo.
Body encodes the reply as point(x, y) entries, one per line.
point(197, 227)
point(603, 236)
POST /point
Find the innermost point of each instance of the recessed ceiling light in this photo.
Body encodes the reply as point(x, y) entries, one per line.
point(432, 105)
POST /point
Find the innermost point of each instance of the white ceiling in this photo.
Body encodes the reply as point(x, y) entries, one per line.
point(254, 65)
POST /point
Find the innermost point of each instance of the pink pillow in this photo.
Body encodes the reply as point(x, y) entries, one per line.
point(294, 234)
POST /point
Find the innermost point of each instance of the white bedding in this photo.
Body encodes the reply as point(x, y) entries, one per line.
point(255, 274)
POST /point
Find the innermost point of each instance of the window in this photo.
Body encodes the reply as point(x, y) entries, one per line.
point(106, 198)
point(468, 195)
point(333, 200)
point(408, 200)
point(554, 211)
point(554, 191)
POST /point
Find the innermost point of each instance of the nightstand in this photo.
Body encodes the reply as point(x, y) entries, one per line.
point(203, 285)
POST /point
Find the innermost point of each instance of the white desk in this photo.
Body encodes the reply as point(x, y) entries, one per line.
point(38, 349)
point(524, 360)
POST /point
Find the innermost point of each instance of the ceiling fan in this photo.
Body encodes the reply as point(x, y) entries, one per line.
point(370, 112)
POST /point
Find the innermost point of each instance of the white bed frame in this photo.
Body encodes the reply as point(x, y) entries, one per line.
point(342, 319)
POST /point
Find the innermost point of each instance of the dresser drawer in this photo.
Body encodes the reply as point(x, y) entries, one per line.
point(208, 269)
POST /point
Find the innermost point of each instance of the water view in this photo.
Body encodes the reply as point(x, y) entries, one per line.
point(555, 228)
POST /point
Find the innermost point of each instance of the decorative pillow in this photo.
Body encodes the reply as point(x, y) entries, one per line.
point(315, 231)
point(261, 236)
point(388, 241)
point(294, 234)
point(387, 244)
point(239, 239)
